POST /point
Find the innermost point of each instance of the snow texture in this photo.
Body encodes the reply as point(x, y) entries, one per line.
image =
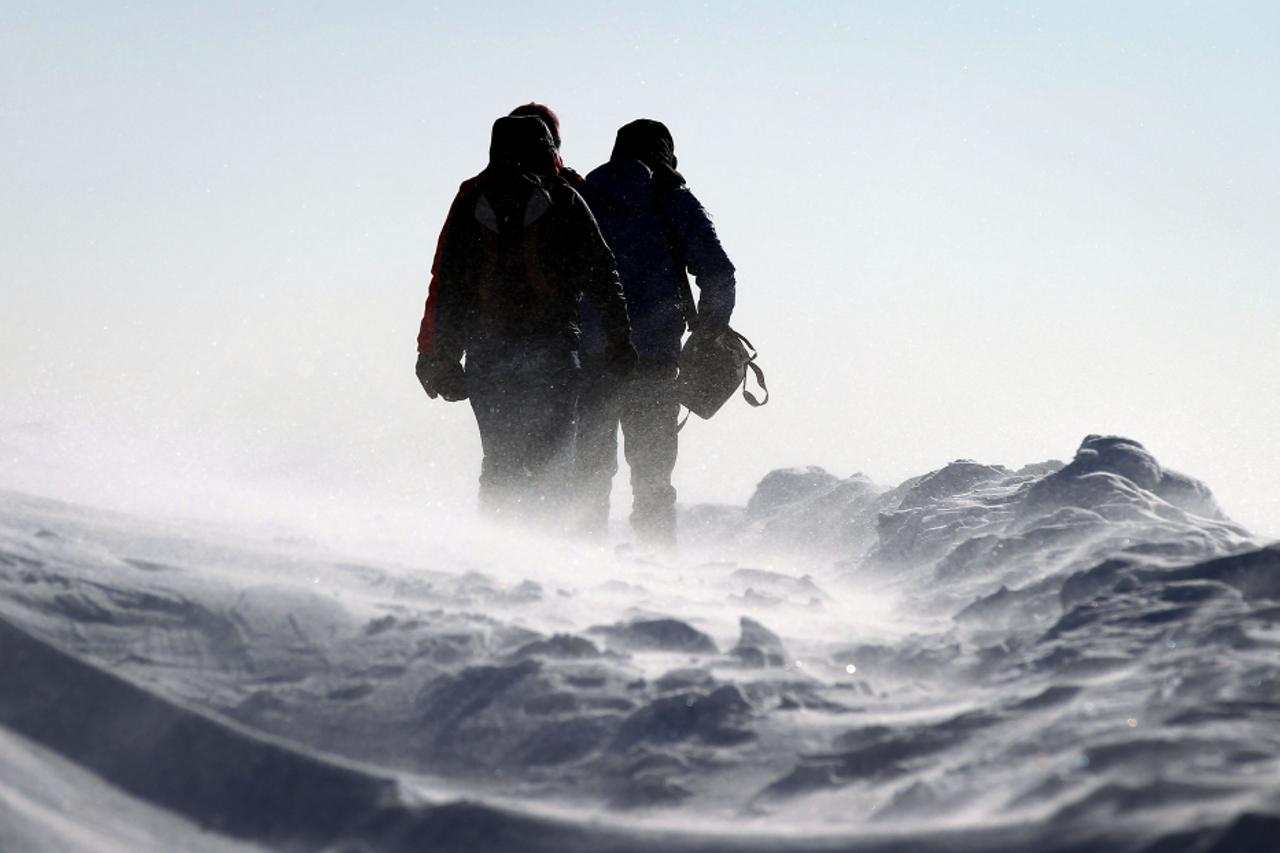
point(1062, 657)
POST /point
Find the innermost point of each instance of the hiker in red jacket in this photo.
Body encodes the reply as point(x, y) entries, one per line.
point(427, 329)
point(519, 252)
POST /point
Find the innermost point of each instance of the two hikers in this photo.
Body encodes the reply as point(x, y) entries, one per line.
point(487, 296)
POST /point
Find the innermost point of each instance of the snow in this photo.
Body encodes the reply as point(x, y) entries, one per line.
point(979, 658)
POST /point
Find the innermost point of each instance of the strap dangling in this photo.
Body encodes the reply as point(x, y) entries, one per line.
point(747, 395)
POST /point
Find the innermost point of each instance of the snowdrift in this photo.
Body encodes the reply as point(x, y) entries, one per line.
point(1075, 656)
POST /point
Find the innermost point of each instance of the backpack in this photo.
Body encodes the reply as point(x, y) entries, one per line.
point(514, 286)
point(714, 364)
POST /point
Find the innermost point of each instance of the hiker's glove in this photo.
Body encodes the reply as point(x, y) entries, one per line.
point(423, 370)
point(451, 381)
point(708, 327)
point(622, 360)
point(442, 378)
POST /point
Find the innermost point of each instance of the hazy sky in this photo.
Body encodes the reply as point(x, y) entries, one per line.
point(975, 230)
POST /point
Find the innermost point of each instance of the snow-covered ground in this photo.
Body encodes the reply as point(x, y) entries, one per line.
point(1060, 657)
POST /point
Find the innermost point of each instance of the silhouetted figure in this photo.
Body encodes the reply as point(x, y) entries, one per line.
point(519, 252)
point(426, 331)
point(659, 233)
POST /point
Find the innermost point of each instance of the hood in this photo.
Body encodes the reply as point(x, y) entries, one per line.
point(651, 143)
point(647, 140)
point(544, 112)
point(627, 182)
point(522, 144)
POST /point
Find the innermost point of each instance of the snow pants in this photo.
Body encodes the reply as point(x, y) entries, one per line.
point(524, 399)
point(645, 408)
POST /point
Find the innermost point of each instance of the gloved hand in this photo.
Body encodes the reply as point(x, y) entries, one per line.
point(708, 328)
point(451, 382)
point(442, 378)
point(622, 360)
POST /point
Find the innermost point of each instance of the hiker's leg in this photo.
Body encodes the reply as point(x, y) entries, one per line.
point(549, 416)
point(596, 455)
point(495, 405)
point(649, 423)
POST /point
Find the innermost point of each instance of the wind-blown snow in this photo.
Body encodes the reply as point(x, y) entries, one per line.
point(1070, 657)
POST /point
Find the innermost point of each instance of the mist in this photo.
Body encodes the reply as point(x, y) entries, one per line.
point(959, 234)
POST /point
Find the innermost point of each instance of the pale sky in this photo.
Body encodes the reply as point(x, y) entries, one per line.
point(977, 230)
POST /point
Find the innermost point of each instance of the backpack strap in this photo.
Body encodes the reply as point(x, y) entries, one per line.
point(752, 399)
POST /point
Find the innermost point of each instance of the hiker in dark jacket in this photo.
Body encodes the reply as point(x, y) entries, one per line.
point(519, 253)
point(659, 233)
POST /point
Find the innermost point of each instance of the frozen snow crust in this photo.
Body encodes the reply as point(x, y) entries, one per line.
point(1062, 657)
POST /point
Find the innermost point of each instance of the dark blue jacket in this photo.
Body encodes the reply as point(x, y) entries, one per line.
point(630, 209)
